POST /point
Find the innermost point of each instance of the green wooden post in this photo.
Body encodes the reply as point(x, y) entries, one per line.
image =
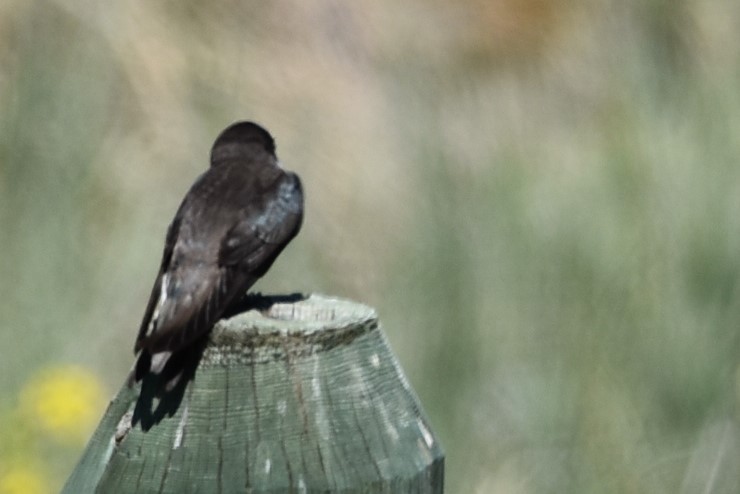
point(304, 396)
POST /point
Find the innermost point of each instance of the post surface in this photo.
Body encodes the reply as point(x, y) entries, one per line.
point(302, 396)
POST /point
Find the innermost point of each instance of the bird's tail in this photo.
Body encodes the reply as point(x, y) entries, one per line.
point(166, 369)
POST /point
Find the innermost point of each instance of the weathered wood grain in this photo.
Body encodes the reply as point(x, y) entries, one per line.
point(304, 396)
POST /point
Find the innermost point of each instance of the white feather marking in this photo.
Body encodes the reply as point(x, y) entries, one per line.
point(159, 360)
point(160, 302)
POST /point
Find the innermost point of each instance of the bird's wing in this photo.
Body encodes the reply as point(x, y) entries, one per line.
point(252, 244)
point(188, 300)
point(169, 245)
point(188, 303)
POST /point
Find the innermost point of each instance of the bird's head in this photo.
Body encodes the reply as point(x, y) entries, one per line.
point(241, 140)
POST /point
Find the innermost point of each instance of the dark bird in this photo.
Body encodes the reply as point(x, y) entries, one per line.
point(234, 221)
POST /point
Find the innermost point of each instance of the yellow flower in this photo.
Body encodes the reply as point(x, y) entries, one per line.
point(65, 401)
point(23, 480)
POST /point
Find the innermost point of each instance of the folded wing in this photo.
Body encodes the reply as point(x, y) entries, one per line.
point(189, 297)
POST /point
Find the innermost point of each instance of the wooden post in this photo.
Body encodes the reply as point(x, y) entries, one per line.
point(302, 396)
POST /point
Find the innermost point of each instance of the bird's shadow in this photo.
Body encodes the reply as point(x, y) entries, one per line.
point(262, 303)
point(161, 394)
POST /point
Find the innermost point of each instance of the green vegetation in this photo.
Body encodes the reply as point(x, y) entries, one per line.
point(541, 198)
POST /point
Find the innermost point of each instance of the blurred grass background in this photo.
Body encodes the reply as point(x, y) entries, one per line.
point(540, 197)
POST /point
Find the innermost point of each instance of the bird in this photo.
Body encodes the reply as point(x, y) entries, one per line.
point(233, 223)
